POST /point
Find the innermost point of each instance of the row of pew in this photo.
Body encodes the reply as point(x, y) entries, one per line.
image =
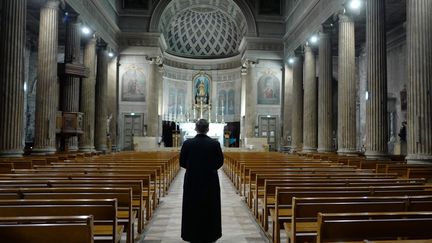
point(97, 198)
point(329, 198)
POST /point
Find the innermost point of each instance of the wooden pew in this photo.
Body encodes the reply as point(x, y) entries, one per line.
point(259, 188)
point(358, 227)
point(104, 212)
point(69, 229)
point(123, 196)
point(284, 195)
point(270, 185)
point(139, 202)
point(303, 226)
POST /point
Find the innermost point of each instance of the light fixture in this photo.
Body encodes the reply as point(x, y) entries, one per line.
point(25, 86)
point(367, 95)
point(314, 39)
point(355, 4)
point(111, 54)
point(85, 30)
point(268, 116)
point(132, 113)
point(291, 60)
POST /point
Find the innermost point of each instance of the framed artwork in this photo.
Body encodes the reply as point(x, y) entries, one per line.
point(268, 90)
point(133, 85)
point(201, 88)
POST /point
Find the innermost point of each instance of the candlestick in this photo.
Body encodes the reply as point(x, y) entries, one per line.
point(201, 109)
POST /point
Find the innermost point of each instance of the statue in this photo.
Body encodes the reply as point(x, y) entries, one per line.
point(201, 89)
point(108, 122)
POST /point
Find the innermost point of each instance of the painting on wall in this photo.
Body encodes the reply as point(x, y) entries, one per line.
point(268, 90)
point(201, 88)
point(133, 85)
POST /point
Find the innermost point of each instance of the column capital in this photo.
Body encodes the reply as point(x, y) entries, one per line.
point(344, 18)
point(54, 4)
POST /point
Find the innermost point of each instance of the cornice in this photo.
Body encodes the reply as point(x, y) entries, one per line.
point(309, 20)
point(92, 12)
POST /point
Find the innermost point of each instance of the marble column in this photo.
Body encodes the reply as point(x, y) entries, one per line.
point(297, 105)
point(70, 86)
point(87, 98)
point(101, 99)
point(310, 110)
point(250, 109)
point(12, 48)
point(47, 90)
point(376, 105)
point(325, 93)
point(152, 100)
point(346, 87)
point(419, 45)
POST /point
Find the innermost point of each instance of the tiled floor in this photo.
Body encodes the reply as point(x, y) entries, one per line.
point(238, 226)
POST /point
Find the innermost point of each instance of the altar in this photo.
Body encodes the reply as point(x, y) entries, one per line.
point(216, 131)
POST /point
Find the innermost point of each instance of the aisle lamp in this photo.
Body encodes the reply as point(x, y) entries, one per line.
point(291, 60)
point(355, 4)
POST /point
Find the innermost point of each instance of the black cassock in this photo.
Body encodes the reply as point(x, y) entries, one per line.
point(201, 216)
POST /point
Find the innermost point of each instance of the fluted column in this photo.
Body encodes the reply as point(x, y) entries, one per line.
point(152, 100)
point(325, 93)
point(12, 48)
point(250, 109)
point(70, 86)
point(47, 93)
point(297, 105)
point(87, 100)
point(346, 87)
point(376, 105)
point(101, 99)
point(310, 102)
point(419, 45)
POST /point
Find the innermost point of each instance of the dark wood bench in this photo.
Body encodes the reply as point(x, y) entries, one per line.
point(70, 229)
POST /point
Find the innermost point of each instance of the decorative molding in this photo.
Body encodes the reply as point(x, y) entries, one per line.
point(95, 16)
point(308, 18)
point(128, 39)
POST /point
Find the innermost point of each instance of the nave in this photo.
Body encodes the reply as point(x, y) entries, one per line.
point(237, 223)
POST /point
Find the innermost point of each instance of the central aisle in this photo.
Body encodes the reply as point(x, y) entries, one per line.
point(238, 226)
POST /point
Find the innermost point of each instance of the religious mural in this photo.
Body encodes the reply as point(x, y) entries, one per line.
point(201, 88)
point(268, 90)
point(133, 83)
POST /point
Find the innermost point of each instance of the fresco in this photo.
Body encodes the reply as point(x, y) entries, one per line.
point(133, 84)
point(268, 90)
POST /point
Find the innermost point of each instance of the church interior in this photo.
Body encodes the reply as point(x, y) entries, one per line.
point(322, 108)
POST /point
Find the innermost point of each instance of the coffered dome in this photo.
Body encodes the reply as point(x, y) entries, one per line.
point(202, 32)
